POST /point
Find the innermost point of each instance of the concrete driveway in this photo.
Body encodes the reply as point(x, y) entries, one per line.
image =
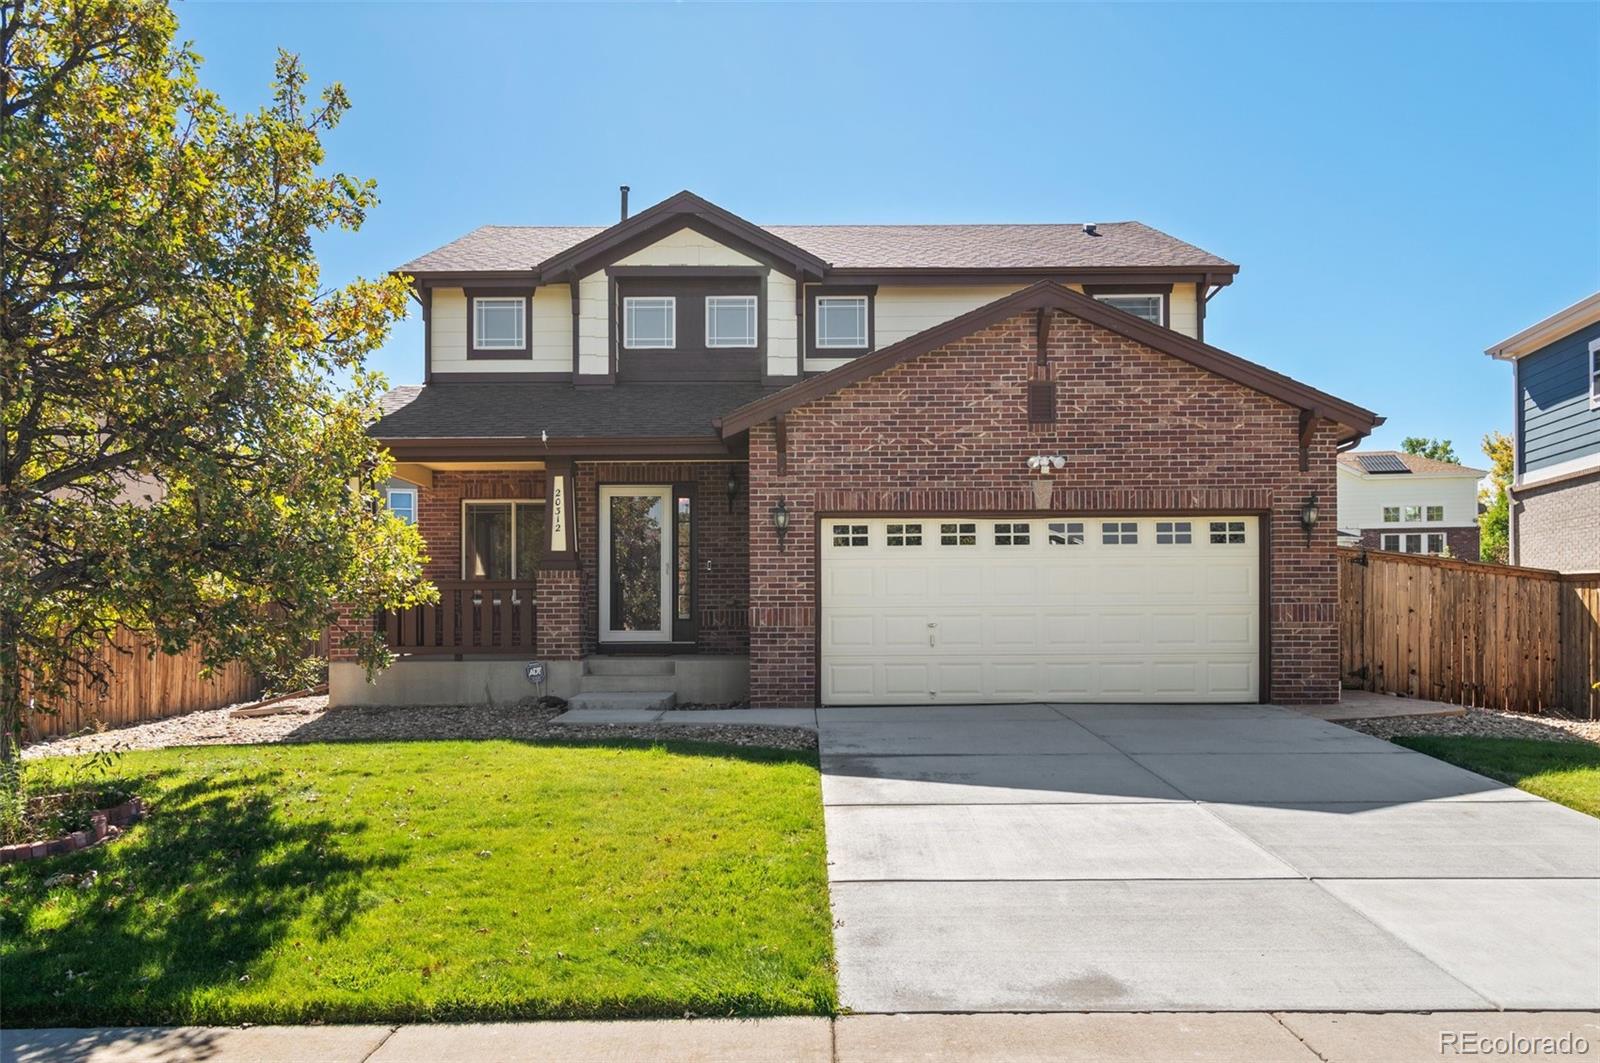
point(1149, 858)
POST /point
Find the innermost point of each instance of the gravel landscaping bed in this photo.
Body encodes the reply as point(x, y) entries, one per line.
point(1483, 723)
point(310, 720)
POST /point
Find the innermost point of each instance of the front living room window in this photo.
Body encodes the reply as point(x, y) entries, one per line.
point(650, 322)
point(500, 540)
point(841, 322)
point(1148, 307)
point(499, 323)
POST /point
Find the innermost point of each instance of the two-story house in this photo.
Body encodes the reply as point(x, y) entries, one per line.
point(1555, 492)
point(842, 464)
point(1391, 500)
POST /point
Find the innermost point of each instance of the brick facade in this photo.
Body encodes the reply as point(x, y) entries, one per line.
point(947, 432)
point(1558, 526)
point(1463, 542)
point(722, 570)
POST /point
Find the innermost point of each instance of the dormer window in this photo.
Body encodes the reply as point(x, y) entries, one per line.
point(841, 322)
point(650, 322)
point(1151, 307)
point(730, 321)
point(498, 326)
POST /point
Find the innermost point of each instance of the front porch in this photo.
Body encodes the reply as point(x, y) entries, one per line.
point(617, 576)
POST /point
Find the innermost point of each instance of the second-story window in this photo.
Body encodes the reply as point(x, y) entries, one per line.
point(650, 322)
point(499, 323)
point(730, 321)
point(1149, 307)
point(841, 322)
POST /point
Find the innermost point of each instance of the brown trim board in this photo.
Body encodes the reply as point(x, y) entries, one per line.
point(1049, 295)
point(686, 208)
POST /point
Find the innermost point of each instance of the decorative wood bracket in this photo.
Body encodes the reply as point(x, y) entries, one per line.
point(1043, 341)
point(780, 426)
point(1308, 425)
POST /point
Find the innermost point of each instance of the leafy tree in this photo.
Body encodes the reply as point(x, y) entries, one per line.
point(1494, 523)
point(1437, 449)
point(183, 402)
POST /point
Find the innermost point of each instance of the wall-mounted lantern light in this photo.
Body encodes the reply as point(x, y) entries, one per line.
point(1309, 516)
point(733, 486)
point(780, 521)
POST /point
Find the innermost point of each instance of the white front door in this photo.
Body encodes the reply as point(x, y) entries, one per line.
point(636, 564)
point(935, 609)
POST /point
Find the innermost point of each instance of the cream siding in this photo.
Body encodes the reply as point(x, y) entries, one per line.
point(1181, 314)
point(783, 347)
point(1363, 498)
point(549, 335)
point(594, 324)
point(906, 311)
point(687, 248)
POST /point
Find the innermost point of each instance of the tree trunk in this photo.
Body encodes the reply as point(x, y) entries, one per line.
point(13, 712)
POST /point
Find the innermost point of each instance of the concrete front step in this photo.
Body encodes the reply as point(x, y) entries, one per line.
point(622, 684)
point(649, 701)
point(656, 666)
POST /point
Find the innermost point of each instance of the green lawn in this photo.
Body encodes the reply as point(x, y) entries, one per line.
point(434, 880)
point(1565, 772)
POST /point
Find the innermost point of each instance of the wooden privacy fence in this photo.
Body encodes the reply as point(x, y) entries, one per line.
point(1524, 639)
point(141, 688)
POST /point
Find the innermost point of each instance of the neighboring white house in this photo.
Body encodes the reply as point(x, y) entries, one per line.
point(1391, 500)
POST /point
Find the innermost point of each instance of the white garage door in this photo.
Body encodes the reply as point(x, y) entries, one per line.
point(953, 609)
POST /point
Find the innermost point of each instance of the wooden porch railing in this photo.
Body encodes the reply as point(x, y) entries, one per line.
point(471, 617)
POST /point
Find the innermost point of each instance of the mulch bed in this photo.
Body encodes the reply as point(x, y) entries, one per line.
point(1483, 723)
point(310, 720)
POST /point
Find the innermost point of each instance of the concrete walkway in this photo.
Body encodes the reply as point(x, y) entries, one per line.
point(1191, 858)
point(1207, 1038)
point(806, 718)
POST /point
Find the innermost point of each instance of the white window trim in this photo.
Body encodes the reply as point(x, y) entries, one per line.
point(1594, 374)
point(628, 342)
point(1160, 298)
point(754, 303)
point(479, 343)
point(516, 577)
point(390, 492)
point(816, 324)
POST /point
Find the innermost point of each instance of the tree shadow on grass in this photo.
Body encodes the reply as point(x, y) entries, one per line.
point(194, 896)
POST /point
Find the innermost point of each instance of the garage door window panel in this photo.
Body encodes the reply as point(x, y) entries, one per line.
point(1227, 532)
point(1123, 533)
point(1065, 533)
point(848, 535)
point(904, 535)
point(1012, 534)
point(958, 534)
point(1174, 533)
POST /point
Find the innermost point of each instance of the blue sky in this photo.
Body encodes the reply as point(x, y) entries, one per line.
point(1402, 185)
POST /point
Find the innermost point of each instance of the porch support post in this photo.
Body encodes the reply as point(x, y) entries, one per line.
point(561, 540)
point(558, 595)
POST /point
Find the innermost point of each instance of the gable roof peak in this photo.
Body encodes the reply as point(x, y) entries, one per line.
point(1051, 295)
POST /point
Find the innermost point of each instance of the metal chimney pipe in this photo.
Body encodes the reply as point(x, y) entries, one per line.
point(624, 202)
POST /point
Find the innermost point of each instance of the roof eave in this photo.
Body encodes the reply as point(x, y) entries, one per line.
point(1580, 314)
point(1047, 294)
point(685, 205)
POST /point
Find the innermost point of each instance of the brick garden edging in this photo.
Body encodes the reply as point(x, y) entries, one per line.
point(104, 823)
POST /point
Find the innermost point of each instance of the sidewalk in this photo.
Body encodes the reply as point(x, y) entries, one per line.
point(1121, 1038)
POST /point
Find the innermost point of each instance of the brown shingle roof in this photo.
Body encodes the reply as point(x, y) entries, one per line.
point(522, 410)
point(883, 247)
point(1414, 462)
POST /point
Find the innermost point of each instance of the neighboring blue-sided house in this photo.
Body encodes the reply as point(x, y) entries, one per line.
point(1555, 498)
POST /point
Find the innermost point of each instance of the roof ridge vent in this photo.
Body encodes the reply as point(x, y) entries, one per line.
point(1089, 229)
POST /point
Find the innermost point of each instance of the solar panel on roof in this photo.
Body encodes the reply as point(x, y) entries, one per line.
point(1381, 463)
